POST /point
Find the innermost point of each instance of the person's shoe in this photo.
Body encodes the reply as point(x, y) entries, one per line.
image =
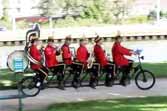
point(109, 83)
point(92, 85)
point(61, 86)
point(128, 82)
point(75, 85)
point(123, 84)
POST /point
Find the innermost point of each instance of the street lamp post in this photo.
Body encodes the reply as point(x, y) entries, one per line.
point(13, 23)
point(158, 10)
point(51, 25)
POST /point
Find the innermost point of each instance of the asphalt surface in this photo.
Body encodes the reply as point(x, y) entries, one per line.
point(52, 95)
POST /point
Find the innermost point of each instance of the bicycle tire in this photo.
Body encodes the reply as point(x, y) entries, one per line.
point(31, 85)
point(137, 79)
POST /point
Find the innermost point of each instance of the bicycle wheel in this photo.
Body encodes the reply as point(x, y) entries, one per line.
point(145, 80)
point(28, 86)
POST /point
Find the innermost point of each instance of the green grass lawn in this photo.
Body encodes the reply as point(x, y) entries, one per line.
point(8, 80)
point(130, 104)
point(159, 69)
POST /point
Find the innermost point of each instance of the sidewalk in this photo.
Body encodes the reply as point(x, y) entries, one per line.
point(52, 95)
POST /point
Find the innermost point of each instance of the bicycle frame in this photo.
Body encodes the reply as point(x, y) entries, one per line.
point(139, 67)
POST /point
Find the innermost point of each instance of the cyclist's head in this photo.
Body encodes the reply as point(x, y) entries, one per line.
point(83, 41)
point(34, 39)
point(118, 38)
point(50, 40)
point(98, 40)
point(68, 40)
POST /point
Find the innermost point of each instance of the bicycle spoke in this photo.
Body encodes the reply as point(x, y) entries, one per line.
point(145, 80)
point(28, 87)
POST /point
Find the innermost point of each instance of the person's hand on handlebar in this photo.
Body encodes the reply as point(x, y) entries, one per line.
point(133, 52)
point(138, 51)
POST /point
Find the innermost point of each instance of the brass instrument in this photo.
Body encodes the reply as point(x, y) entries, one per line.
point(91, 57)
point(90, 60)
point(34, 30)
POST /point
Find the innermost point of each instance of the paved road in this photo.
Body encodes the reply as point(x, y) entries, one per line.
point(51, 95)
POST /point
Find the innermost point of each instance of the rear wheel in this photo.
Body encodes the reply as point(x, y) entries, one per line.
point(145, 80)
point(30, 86)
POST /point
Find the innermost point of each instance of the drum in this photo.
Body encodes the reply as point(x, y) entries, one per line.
point(17, 61)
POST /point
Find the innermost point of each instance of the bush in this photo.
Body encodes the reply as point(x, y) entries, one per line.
point(138, 19)
point(67, 22)
point(22, 25)
point(87, 22)
point(4, 23)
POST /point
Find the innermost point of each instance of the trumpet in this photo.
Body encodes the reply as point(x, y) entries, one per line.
point(90, 60)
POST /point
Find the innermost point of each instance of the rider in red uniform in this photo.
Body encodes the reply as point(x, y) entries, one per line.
point(81, 62)
point(66, 53)
point(52, 63)
point(82, 52)
point(105, 64)
point(118, 53)
point(67, 59)
point(100, 53)
point(50, 54)
point(36, 54)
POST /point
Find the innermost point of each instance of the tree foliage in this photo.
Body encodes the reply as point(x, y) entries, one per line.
point(95, 9)
point(104, 11)
point(5, 10)
point(60, 7)
point(47, 7)
point(119, 9)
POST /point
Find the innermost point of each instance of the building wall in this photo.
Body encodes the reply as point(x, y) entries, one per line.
point(22, 8)
point(143, 7)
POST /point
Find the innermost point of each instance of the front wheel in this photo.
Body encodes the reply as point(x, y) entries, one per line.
point(28, 86)
point(145, 80)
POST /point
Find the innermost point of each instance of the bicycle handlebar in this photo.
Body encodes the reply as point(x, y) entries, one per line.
point(138, 51)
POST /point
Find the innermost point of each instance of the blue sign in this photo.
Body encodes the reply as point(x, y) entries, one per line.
point(18, 65)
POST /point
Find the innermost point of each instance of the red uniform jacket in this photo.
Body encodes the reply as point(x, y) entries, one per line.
point(82, 54)
point(50, 56)
point(35, 53)
point(66, 54)
point(118, 53)
point(100, 55)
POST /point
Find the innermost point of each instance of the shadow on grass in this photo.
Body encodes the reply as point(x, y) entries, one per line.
point(132, 104)
point(9, 79)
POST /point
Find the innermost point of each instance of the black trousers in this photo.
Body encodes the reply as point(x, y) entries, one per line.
point(96, 69)
point(125, 72)
point(59, 71)
point(41, 73)
point(109, 69)
point(77, 70)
